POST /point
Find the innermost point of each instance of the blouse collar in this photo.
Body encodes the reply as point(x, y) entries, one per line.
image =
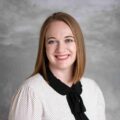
point(61, 87)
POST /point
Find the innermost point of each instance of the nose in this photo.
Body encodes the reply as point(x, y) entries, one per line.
point(61, 47)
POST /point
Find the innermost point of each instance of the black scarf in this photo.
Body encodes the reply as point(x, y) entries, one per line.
point(72, 94)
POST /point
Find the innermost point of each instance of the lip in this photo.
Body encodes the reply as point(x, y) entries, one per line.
point(62, 57)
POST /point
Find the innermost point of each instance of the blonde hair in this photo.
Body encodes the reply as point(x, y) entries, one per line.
point(79, 64)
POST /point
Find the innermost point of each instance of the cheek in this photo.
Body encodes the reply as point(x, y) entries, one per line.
point(49, 49)
point(47, 52)
point(50, 52)
point(73, 49)
point(46, 49)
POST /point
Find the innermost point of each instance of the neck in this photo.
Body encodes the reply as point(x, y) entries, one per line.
point(64, 75)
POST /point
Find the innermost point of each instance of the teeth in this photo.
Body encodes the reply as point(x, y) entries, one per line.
point(62, 57)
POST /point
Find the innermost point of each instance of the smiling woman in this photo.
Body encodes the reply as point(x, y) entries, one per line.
point(57, 89)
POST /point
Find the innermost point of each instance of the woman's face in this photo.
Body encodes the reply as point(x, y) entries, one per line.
point(60, 46)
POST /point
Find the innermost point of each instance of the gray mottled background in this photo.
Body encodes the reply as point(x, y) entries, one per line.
point(20, 22)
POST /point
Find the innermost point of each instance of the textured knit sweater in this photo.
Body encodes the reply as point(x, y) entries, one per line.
point(37, 100)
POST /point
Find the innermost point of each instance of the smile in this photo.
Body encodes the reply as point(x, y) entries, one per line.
point(62, 57)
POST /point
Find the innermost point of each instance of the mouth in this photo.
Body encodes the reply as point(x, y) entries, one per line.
point(62, 57)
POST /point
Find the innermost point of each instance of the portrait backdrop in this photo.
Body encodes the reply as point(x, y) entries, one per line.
point(20, 22)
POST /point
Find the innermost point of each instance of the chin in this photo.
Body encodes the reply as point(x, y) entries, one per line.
point(63, 67)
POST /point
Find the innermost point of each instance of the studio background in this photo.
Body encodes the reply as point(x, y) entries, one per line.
point(20, 22)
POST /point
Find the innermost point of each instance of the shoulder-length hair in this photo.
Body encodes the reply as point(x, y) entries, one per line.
point(79, 64)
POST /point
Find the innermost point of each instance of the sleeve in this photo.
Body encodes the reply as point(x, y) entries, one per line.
point(26, 106)
point(100, 105)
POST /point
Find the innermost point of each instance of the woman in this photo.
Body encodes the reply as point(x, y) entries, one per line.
point(57, 89)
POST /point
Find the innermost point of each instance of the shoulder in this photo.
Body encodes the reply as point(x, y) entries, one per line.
point(91, 90)
point(89, 83)
point(33, 81)
point(27, 101)
point(93, 99)
point(35, 84)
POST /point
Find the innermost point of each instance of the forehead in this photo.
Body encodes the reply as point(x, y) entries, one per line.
point(58, 28)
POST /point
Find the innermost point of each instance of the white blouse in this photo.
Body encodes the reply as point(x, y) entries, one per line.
point(37, 100)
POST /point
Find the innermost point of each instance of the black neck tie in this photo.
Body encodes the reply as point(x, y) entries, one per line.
point(75, 102)
point(72, 95)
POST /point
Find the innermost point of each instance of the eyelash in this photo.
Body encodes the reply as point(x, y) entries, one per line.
point(69, 40)
point(51, 41)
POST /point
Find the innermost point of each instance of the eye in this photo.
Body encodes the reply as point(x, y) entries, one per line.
point(69, 40)
point(52, 42)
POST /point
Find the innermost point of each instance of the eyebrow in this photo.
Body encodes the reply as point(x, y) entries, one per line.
point(69, 36)
point(51, 38)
